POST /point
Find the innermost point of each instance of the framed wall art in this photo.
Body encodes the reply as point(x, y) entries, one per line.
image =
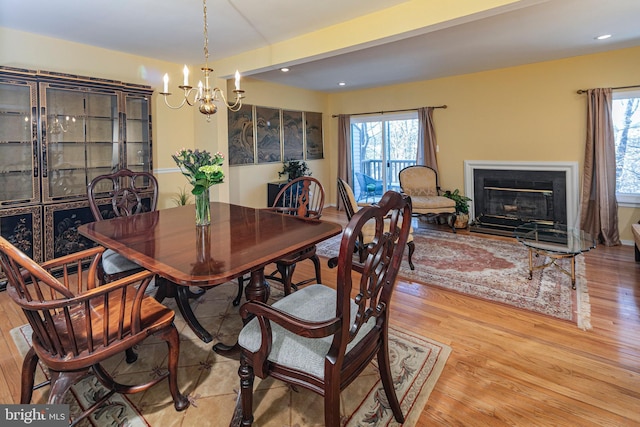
point(313, 134)
point(241, 141)
point(293, 135)
point(260, 135)
point(268, 138)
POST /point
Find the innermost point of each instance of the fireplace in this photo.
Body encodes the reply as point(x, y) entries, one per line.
point(508, 194)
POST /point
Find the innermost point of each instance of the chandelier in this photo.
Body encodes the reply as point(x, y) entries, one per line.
point(56, 127)
point(204, 95)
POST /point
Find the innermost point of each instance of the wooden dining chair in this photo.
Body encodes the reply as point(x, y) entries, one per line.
point(368, 231)
point(78, 323)
point(122, 193)
point(321, 338)
point(302, 197)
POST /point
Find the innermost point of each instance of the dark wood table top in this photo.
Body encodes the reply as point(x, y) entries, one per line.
point(239, 240)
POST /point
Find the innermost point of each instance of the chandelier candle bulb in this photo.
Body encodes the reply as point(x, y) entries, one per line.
point(166, 83)
point(186, 76)
point(237, 80)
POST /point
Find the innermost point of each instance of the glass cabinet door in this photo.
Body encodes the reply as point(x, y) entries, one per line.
point(19, 168)
point(138, 134)
point(81, 139)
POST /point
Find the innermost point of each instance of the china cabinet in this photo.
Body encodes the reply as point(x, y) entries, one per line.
point(57, 133)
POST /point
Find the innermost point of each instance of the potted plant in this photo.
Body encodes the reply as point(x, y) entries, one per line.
point(462, 207)
point(294, 169)
point(181, 198)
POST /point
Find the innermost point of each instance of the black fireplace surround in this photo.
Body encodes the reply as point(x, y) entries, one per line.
point(504, 199)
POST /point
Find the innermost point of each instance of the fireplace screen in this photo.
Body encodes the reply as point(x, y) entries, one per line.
point(523, 203)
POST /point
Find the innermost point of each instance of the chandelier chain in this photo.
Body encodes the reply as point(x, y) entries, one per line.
point(206, 32)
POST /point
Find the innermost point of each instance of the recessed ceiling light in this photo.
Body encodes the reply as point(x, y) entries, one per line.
point(603, 37)
point(284, 69)
point(342, 83)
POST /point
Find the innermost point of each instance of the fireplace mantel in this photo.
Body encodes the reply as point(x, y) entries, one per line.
point(569, 168)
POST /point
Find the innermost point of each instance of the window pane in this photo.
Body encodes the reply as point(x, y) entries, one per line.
point(626, 124)
point(381, 146)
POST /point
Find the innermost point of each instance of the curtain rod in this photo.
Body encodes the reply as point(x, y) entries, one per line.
point(581, 91)
point(390, 111)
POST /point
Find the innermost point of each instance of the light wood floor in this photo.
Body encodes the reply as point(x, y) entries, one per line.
point(508, 367)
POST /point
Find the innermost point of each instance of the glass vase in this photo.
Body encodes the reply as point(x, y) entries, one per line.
point(203, 208)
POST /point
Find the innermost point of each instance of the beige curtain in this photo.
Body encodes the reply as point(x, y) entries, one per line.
point(599, 208)
point(344, 152)
point(426, 139)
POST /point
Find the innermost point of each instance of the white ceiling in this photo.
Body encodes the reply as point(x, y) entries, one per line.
point(171, 30)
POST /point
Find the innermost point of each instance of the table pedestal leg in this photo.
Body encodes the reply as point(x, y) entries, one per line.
point(181, 294)
point(182, 301)
point(256, 290)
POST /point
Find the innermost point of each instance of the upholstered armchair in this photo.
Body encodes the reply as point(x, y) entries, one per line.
point(421, 183)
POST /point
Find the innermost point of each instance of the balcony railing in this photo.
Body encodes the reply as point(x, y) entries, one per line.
point(374, 169)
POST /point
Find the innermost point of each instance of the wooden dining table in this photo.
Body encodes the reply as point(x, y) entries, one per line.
point(240, 240)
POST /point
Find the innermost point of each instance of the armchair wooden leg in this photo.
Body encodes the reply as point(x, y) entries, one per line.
point(316, 263)
point(412, 249)
point(332, 405)
point(286, 272)
point(245, 372)
point(236, 301)
point(384, 366)
point(61, 382)
point(452, 223)
point(29, 365)
point(130, 355)
point(180, 402)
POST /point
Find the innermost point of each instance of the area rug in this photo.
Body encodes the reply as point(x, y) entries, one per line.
point(211, 381)
point(495, 270)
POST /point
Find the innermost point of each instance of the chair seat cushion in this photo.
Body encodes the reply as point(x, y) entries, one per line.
point(369, 230)
point(432, 204)
point(113, 263)
point(312, 303)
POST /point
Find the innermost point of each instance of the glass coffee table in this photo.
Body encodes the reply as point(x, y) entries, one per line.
point(556, 242)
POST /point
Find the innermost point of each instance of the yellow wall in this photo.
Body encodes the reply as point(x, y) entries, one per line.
point(530, 112)
point(248, 183)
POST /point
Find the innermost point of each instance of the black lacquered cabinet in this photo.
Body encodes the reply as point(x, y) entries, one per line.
point(57, 133)
point(273, 188)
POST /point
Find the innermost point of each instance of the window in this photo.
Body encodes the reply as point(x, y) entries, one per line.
point(382, 145)
point(626, 126)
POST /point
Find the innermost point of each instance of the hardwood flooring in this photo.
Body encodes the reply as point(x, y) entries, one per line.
point(508, 367)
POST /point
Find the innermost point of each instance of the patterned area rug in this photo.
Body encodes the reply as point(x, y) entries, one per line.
point(495, 270)
point(211, 381)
